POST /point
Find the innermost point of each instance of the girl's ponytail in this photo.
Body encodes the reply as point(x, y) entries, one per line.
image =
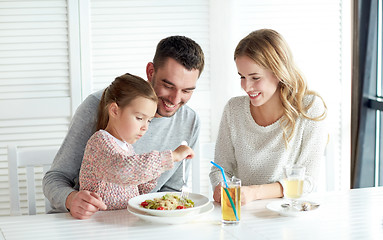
point(102, 115)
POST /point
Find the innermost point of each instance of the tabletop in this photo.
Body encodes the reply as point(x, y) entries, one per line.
point(352, 214)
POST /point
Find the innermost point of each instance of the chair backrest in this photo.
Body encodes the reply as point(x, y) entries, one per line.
point(206, 154)
point(207, 150)
point(203, 151)
point(28, 158)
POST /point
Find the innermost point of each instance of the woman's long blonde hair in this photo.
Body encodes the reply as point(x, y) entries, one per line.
point(270, 50)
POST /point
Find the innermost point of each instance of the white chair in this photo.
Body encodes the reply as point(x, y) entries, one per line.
point(207, 150)
point(203, 151)
point(206, 154)
point(28, 158)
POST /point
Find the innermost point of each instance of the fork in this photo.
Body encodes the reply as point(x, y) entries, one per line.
point(184, 188)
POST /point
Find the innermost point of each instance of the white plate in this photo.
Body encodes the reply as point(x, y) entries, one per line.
point(172, 220)
point(198, 199)
point(275, 206)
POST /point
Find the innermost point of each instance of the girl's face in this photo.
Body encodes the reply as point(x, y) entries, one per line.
point(259, 83)
point(132, 121)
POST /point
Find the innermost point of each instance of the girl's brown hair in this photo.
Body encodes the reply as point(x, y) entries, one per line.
point(122, 91)
point(268, 49)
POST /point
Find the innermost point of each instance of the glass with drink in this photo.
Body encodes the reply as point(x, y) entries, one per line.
point(293, 184)
point(231, 201)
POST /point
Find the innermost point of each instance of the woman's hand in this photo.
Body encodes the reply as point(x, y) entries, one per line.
point(258, 192)
point(248, 194)
point(217, 193)
point(254, 192)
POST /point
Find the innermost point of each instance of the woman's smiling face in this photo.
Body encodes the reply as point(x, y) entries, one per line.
point(259, 83)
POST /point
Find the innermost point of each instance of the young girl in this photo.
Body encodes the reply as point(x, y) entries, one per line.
point(278, 123)
point(110, 166)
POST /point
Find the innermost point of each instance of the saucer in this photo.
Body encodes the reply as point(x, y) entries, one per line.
point(172, 220)
point(277, 206)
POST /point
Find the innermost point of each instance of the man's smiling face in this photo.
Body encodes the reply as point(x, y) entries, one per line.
point(174, 86)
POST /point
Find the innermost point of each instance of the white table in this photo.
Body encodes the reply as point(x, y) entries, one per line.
point(353, 214)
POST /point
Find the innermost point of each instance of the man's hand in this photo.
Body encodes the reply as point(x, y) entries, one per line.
point(84, 204)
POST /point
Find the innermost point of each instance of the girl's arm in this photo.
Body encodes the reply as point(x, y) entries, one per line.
point(138, 168)
point(147, 187)
point(115, 165)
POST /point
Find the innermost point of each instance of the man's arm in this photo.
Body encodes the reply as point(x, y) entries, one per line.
point(62, 178)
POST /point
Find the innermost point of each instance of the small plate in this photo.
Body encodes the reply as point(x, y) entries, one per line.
point(276, 206)
point(172, 220)
point(198, 199)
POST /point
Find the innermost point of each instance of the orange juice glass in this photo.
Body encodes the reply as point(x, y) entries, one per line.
point(234, 189)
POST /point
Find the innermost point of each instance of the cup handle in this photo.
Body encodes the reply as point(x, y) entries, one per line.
point(310, 182)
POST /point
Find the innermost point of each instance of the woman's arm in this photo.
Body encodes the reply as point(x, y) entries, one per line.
point(313, 143)
point(264, 191)
point(254, 192)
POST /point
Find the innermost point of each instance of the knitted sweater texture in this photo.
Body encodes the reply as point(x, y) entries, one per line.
point(257, 154)
point(118, 175)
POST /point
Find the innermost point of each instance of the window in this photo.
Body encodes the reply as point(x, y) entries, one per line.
point(368, 158)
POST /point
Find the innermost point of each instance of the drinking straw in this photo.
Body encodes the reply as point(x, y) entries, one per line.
point(227, 192)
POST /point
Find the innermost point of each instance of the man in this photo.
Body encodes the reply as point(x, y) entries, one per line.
point(177, 64)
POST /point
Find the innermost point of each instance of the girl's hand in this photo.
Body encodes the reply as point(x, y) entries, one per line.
point(182, 152)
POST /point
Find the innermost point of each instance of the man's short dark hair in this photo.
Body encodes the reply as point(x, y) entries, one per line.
point(182, 49)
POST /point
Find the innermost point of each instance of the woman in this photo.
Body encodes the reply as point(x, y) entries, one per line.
point(278, 123)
